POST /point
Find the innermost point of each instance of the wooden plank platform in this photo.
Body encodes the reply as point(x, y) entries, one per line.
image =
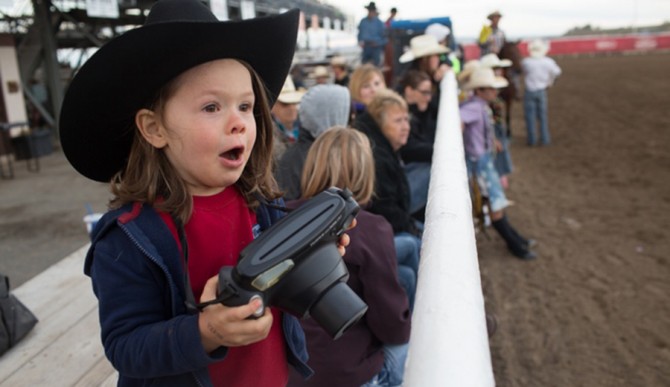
point(64, 348)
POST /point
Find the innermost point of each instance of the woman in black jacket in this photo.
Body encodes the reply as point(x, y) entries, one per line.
point(386, 123)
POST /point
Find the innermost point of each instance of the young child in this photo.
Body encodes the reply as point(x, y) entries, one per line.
point(175, 114)
point(374, 349)
point(478, 141)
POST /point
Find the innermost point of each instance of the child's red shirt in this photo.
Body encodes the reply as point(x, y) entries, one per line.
point(220, 227)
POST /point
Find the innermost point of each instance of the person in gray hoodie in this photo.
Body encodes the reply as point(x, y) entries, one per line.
point(322, 107)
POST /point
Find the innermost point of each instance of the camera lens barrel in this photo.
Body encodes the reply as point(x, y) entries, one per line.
point(338, 309)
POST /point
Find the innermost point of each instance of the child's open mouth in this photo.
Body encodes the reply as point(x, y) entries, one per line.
point(233, 154)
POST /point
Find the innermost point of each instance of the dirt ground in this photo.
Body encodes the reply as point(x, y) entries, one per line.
point(41, 215)
point(592, 310)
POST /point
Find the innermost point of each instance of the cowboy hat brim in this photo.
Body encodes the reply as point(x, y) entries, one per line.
point(97, 116)
point(410, 54)
point(496, 83)
point(291, 97)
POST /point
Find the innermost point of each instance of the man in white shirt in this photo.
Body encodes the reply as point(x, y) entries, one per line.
point(539, 72)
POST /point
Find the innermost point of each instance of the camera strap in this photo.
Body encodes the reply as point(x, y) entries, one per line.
point(191, 305)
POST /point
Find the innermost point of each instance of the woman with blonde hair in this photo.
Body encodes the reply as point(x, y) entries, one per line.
point(365, 81)
point(372, 351)
point(386, 123)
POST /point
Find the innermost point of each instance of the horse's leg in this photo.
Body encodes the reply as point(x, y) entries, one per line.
point(508, 111)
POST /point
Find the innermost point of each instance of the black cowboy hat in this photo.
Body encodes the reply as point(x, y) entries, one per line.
point(97, 117)
point(371, 7)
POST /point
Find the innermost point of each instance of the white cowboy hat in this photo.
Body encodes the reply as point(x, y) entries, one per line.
point(289, 95)
point(538, 48)
point(485, 77)
point(420, 46)
point(491, 60)
point(338, 61)
point(468, 68)
point(320, 72)
point(439, 31)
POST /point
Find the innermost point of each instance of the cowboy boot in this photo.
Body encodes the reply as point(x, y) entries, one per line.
point(514, 245)
point(526, 242)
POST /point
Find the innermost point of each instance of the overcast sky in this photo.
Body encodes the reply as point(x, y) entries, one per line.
point(523, 18)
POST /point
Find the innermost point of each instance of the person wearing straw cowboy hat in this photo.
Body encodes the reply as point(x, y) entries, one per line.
point(340, 69)
point(491, 37)
point(424, 54)
point(503, 157)
point(372, 36)
point(478, 141)
point(285, 117)
point(321, 75)
point(175, 115)
point(539, 73)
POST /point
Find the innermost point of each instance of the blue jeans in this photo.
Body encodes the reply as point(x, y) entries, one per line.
point(535, 108)
point(488, 179)
point(503, 160)
point(372, 55)
point(393, 370)
point(407, 249)
point(418, 177)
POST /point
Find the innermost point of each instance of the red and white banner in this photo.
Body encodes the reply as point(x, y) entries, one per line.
point(593, 44)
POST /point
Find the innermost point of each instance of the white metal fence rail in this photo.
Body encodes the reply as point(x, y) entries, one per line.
point(449, 343)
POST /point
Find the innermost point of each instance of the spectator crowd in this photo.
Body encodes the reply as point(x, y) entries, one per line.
point(355, 131)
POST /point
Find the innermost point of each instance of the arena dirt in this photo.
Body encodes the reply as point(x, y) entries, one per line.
point(593, 309)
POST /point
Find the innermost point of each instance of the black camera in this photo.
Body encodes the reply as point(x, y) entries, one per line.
point(295, 265)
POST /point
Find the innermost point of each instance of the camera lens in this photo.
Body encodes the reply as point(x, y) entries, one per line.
point(338, 309)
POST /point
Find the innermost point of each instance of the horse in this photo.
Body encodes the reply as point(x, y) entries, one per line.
point(510, 50)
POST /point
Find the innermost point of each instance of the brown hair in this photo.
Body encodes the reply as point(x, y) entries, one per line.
point(148, 176)
point(340, 157)
point(361, 75)
point(381, 103)
point(413, 78)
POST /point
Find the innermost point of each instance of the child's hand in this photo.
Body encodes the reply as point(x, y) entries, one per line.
point(498, 145)
point(344, 239)
point(228, 326)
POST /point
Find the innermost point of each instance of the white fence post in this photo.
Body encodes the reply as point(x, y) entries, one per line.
point(449, 343)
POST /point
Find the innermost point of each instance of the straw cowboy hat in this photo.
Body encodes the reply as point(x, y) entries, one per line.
point(97, 116)
point(289, 95)
point(339, 61)
point(468, 68)
point(484, 77)
point(494, 14)
point(320, 72)
point(538, 48)
point(491, 60)
point(420, 46)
